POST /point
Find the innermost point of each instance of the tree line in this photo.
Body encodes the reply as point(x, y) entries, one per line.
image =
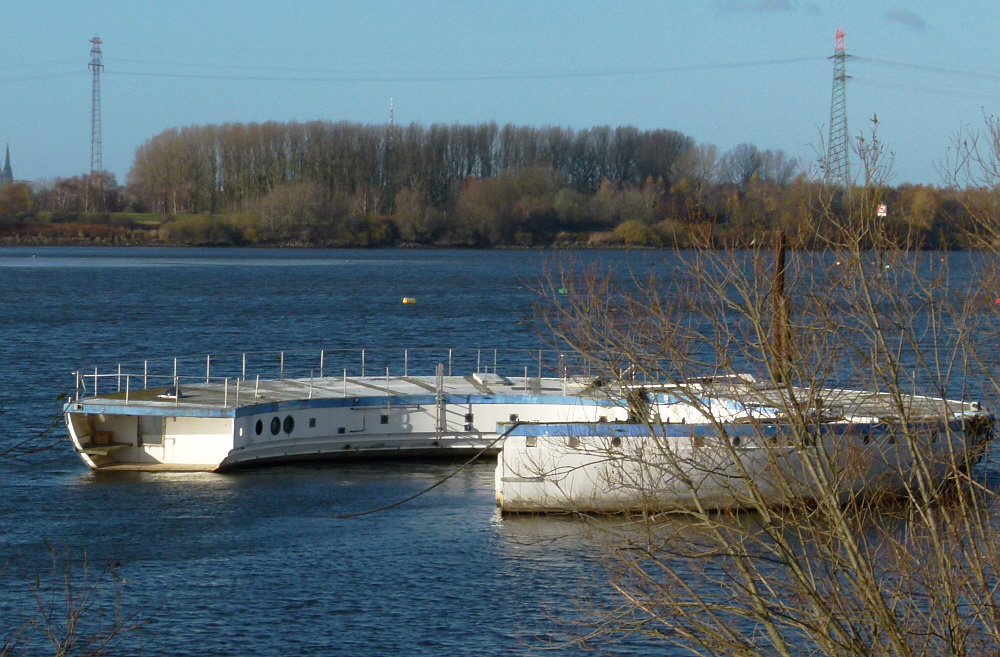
point(348, 184)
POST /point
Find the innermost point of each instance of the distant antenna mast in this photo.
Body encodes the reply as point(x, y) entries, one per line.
point(390, 121)
point(838, 165)
point(95, 111)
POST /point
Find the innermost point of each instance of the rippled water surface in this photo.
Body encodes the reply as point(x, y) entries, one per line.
point(255, 563)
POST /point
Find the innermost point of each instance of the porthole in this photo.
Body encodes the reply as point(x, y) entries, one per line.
point(736, 441)
point(573, 442)
point(616, 441)
point(289, 424)
point(383, 419)
point(259, 428)
point(341, 430)
point(312, 422)
point(866, 439)
point(275, 426)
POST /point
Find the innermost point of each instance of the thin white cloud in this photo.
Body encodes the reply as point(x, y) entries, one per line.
point(758, 5)
point(905, 17)
point(769, 6)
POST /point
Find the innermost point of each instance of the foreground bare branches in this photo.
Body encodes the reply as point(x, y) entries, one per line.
point(817, 563)
point(75, 610)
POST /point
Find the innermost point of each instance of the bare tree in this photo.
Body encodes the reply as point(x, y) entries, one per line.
point(815, 564)
point(76, 611)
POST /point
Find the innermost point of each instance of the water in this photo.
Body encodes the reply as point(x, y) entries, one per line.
point(253, 563)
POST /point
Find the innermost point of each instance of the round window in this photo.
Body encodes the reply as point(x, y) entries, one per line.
point(260, 427)
point(289, 424)
point(616, 442)
point(275, 426)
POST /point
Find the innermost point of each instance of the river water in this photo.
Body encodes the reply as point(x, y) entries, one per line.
point(255, 563)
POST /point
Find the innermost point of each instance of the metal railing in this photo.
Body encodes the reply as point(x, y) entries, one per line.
point(237, 369)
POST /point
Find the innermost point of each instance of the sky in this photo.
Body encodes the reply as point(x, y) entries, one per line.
point(723, 72)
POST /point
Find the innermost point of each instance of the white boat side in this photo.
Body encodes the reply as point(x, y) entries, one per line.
point(221, 425)
point(678, 460)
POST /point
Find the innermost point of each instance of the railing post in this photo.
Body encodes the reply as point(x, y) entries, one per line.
point(208, 368)
point(238, 392)
point(539, 364)
point(281, 376)
point(95, 380)
point(494, 361)
point(119, 377)
point(256, 389)
point(244, 374)
point(362, 363)
point(406, 362)
point(177, 390)
point(310, 384)
point(321, 363)
point(225, 395)
point(175, 367)
point(126, 388)
point(479, 358)
point(345, 381)
point(449, 362)
point(145, 374)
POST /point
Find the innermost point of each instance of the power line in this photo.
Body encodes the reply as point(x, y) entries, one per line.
point(920, 87)
point(43, 76)
point(985, 75)
point(467, 77)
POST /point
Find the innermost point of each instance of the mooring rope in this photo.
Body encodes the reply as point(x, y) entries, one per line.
point(433, 486)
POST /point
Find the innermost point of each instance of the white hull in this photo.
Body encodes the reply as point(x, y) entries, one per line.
point(604, 468)
point(209, 428)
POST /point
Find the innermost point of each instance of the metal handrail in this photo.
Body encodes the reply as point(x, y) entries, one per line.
point(302, 364)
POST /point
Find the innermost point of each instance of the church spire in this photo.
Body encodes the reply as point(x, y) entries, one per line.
point(8, 175)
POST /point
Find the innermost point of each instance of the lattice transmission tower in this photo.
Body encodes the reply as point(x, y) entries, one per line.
point(95, 108)
point(838, 163)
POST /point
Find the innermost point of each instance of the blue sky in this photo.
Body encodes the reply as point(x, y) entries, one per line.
point(704, 68)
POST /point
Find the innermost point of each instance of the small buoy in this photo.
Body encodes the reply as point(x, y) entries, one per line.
point(409, 300)
point(563, 290)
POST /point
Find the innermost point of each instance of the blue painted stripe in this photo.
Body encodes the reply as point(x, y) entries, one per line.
point(91, 408)
point(612, 429)
point(138, 409)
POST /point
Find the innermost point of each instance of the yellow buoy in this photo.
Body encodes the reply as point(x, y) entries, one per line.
point(409, 300)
